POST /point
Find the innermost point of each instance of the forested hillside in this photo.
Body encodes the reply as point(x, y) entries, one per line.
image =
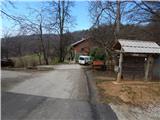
point(30, 44)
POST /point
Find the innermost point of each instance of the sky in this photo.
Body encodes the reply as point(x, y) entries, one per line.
point(79, 12)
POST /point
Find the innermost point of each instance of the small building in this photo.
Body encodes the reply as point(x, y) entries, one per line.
point(81, 47)
point(137, 59)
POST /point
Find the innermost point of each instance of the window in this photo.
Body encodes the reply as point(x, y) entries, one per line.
point(81, 58)
point(82, 49)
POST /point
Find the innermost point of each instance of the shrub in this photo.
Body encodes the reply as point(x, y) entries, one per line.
point(98, 54)
point(26, 61)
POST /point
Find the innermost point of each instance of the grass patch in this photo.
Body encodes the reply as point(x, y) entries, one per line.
point(54, 61)
point(32, 60)
point(26, 61)
point(100, 81)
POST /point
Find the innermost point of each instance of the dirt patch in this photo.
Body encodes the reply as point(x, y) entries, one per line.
point(136, 100)
point(139, 93)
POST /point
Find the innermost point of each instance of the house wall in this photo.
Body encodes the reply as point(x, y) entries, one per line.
point(156, 69)
point(133, 67)
point(83, 48)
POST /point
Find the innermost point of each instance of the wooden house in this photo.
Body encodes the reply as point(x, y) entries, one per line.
point(81, 47)
point(137, 59)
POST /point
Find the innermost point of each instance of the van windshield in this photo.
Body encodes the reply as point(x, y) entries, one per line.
point(81, 58)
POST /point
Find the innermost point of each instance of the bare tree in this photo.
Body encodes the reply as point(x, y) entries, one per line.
point(105, 12)
point(146, 13)
point(4, 5)
point(142, 11)
point(118, 18)
point(5, 45)
point(63, 21)
point(38, 52)
point(109, 15)
point(37, 26)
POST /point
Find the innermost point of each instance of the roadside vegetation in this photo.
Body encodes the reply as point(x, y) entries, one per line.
point(137, 93)
point(31, 61)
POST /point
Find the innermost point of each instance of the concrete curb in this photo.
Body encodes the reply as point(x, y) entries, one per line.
point(100, 111)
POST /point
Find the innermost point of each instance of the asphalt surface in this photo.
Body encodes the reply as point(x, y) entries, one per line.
point(61, 94)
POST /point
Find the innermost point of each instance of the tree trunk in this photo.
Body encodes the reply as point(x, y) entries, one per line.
point(7, 51)
point(43, 47)
point(118, 17)
point(61, 50)
point(61, 10)
point(39, 57)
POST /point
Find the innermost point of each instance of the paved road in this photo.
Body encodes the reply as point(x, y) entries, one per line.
point(61, 94)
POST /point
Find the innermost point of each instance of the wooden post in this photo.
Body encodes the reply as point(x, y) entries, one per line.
point(75, 55)
point(148, 66)
point(120, 67)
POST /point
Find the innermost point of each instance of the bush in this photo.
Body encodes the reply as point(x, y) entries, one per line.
point(98, 54)
point(26, 61)
point(55, 61)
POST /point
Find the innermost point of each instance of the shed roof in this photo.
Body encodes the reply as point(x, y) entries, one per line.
point(138, 46)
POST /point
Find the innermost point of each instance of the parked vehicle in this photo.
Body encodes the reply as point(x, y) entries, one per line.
point(7, 63)
point(84, 60)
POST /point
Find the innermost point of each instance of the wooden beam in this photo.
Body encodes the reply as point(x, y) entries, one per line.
point(75, 55)
point(119, 75)
point(148, 67)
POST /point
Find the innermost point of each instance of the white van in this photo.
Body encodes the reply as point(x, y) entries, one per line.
point(84, 59)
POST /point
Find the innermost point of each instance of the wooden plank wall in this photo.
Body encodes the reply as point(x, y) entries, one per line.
point(133, 67)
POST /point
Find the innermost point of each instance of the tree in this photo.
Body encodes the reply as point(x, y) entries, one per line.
point(103, 36)
point(153, 29)
point(63, 21)
point(147, 14)
point(107, 12)
point(110, 13)
point(142, 11)
point(106, 17)
point(5, 45)
point(4, 4)
point(38, 25)
point(118, 18)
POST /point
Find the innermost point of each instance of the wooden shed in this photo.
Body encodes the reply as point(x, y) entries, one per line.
point(136, 59)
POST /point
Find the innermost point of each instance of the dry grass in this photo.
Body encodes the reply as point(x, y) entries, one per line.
point(139, 93)
point(134, 92)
